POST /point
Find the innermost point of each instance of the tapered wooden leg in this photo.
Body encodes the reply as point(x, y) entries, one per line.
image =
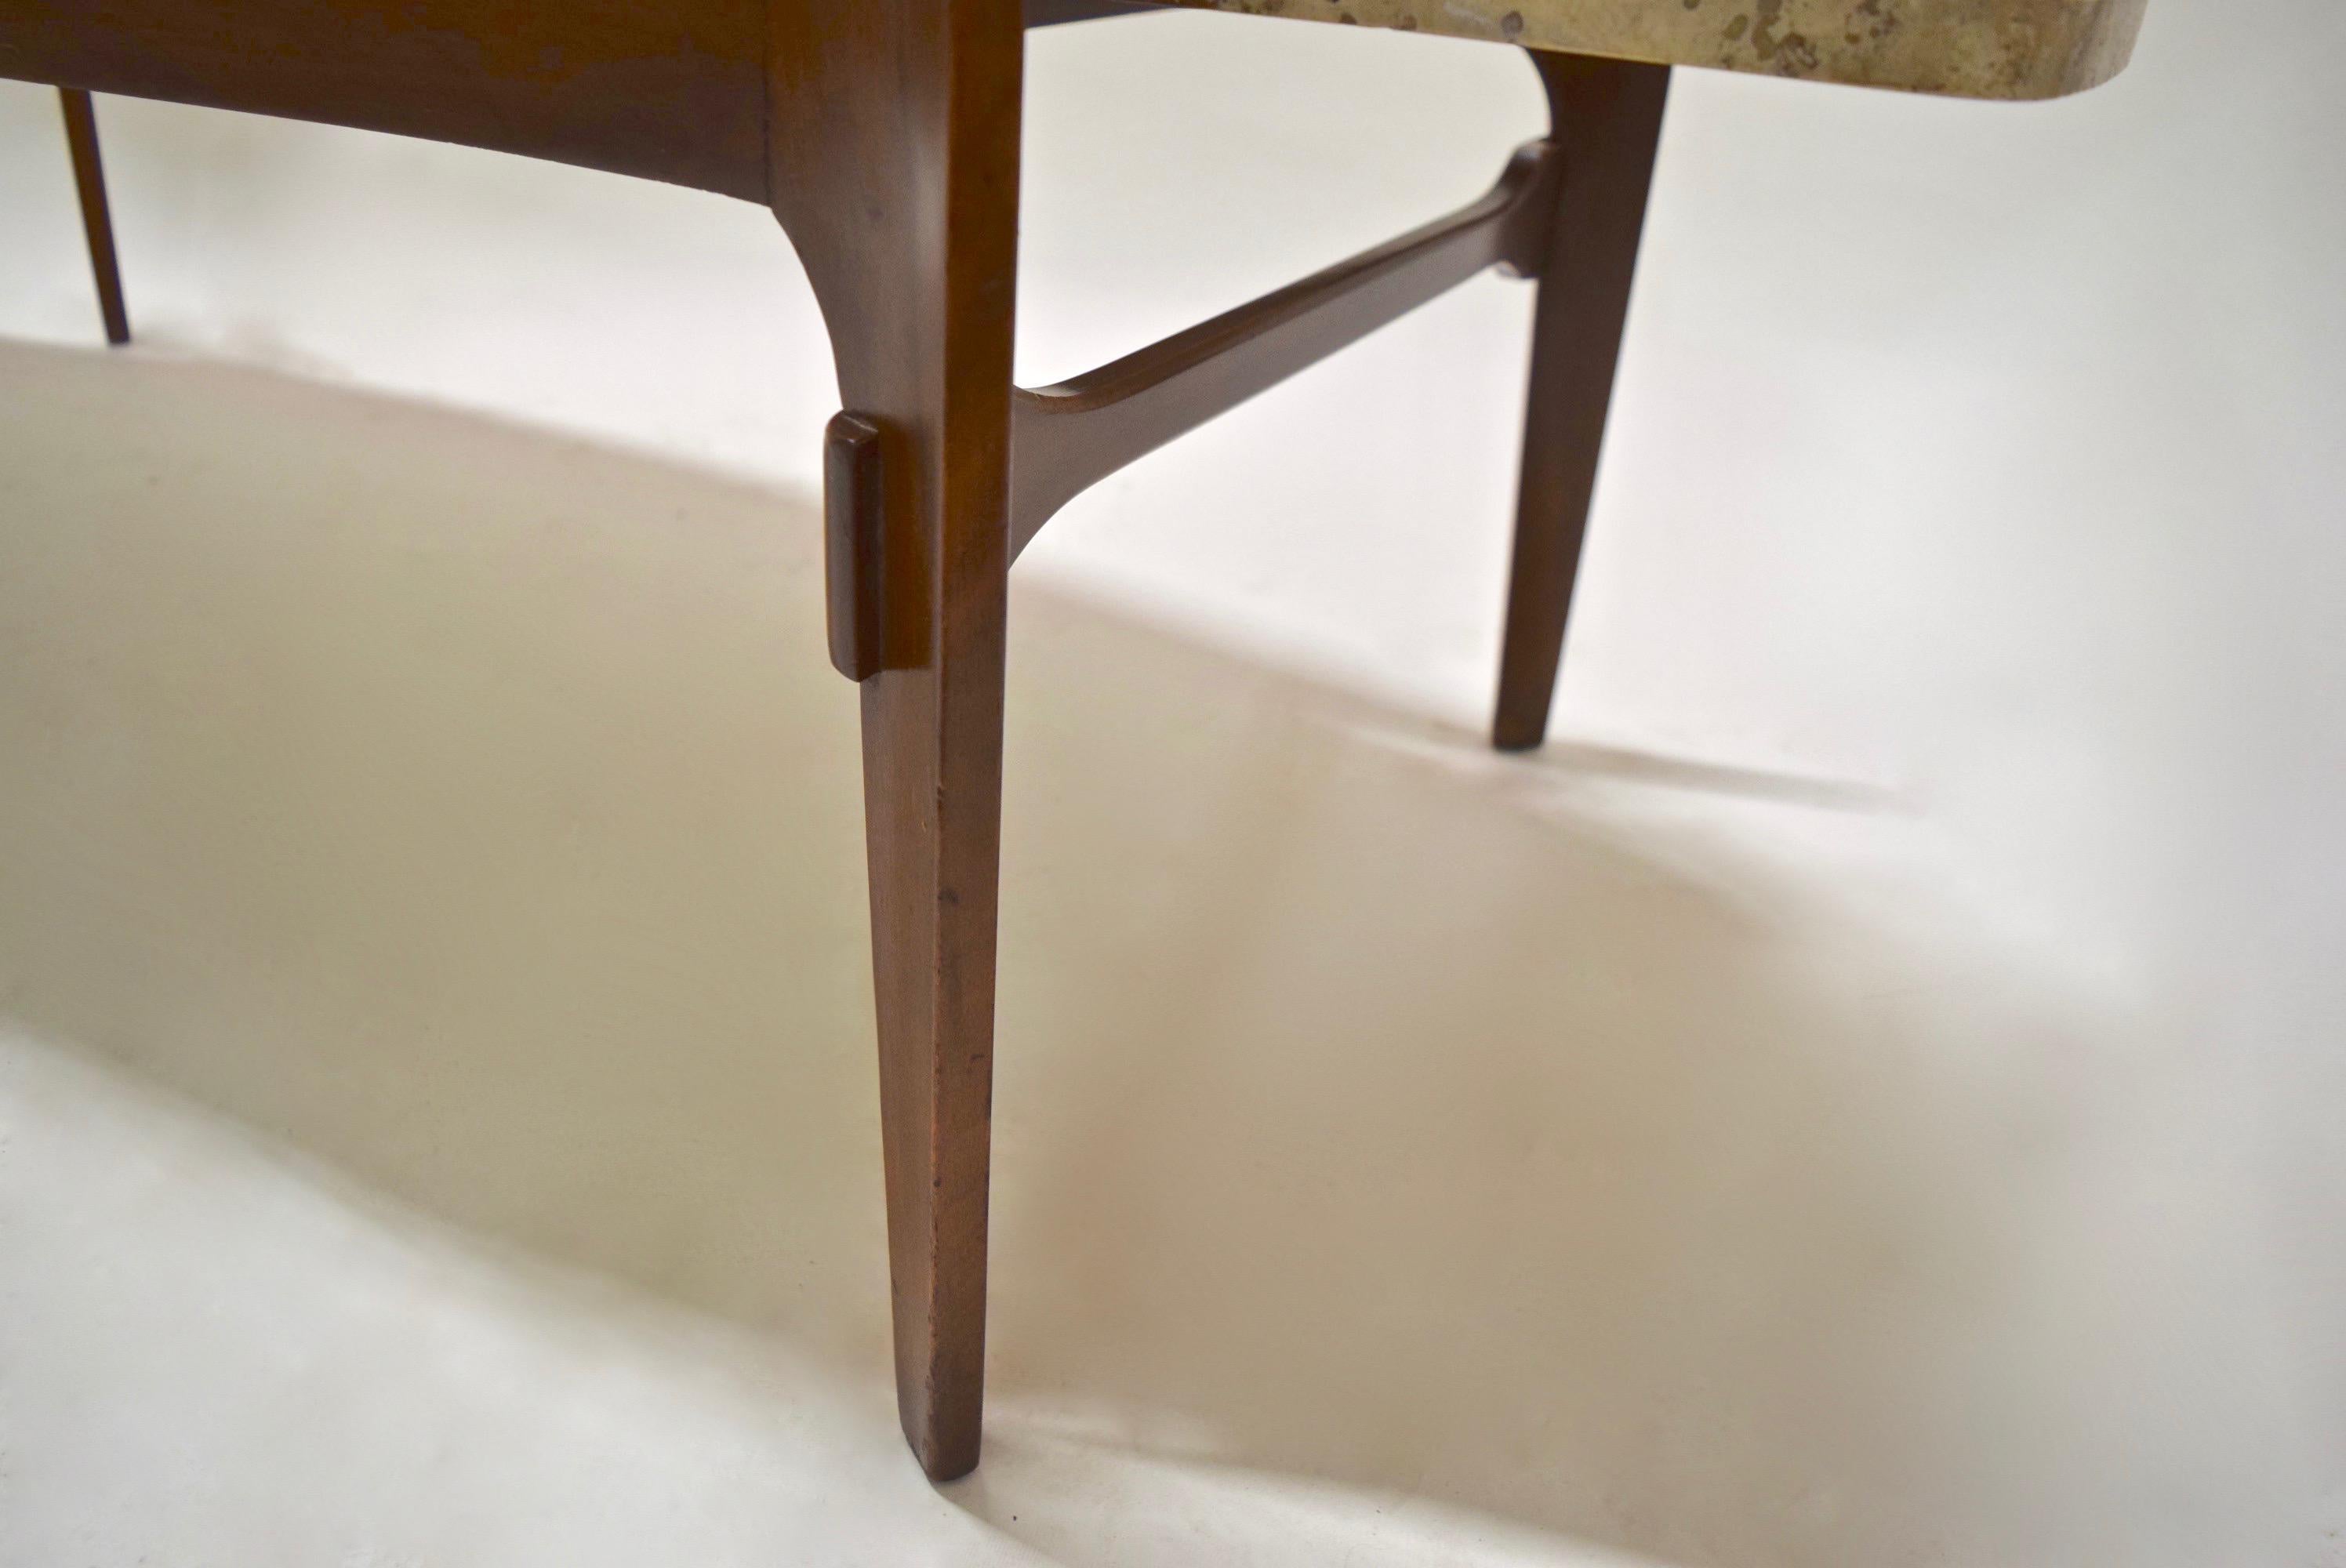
point(1608, 118)
point(931, 802)
point(895, 135)
point(89, 180)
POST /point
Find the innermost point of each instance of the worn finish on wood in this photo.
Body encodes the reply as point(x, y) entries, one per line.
point(98, 225)
point(1969, 48)
point(1608, 121)
point(1072, 435)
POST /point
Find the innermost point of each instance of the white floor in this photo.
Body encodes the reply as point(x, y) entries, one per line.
point(1870, 1093)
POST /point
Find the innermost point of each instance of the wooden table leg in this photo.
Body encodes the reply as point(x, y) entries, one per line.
point(932, 802)
point(89, 180)
point(895, 169)
point(1607, 119)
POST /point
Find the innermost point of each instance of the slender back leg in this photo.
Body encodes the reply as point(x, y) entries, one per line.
point(89, 180)
point(1608, 118)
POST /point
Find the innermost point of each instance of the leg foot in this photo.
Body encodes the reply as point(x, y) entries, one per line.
point(932, 799)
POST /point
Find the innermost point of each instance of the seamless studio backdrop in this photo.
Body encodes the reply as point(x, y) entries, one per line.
point(1868, 1092)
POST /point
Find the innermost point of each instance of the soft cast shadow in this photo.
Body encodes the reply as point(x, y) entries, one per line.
point(476, 811)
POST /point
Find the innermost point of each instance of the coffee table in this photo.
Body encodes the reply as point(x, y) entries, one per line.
point(883, 135)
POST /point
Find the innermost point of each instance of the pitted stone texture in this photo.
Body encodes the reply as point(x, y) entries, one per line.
point(1970, 48)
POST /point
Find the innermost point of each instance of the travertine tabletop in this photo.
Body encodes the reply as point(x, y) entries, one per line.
point(1973, 48)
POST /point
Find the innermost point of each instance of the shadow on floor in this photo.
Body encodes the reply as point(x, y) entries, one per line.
point(476, 811)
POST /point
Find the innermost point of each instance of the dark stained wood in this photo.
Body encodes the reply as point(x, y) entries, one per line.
point(672, 90)
point(1607, 120)
point(1070, 436)
point(853, 546)
point(98, 225)
point(895, 172)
